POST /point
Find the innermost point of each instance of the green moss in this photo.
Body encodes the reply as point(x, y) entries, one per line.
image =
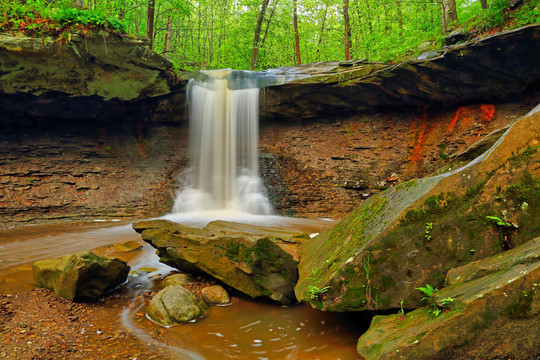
point(522, 306)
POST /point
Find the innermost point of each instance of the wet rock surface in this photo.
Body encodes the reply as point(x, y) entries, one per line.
point(249, 260)
point(83, 276)
point(175, 304)
point(493, 313)
point(413, 233)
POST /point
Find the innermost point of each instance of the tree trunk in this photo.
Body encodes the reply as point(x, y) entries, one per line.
point(370, 26)
point(150, 23)
point(347, 30)
point(257, 36)
point(167, 43)
point(296, 37)
point(484, 4)
point(449, 14)
point(400, 17)
point(268, 22)
point(323, 23)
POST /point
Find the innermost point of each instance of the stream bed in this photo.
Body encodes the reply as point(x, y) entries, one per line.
point(245, 329)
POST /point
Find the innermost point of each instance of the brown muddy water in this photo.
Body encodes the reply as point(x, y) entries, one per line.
point(245, 329)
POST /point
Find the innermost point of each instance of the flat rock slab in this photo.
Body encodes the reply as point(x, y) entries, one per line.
point(255, 260)
point(494, 314)
point(81, 276)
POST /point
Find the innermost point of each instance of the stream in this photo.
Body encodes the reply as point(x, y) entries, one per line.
point(246, 329)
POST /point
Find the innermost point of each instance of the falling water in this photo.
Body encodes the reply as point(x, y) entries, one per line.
point(223, 174)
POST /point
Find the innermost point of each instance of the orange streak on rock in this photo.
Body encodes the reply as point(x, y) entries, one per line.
point(488, 111)
point(460, 111)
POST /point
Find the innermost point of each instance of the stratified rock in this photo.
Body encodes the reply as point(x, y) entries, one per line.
point(259, 265)
point(413, 233)
point(175, 304)
point(494, 312)
point(81, 276)
point(84, 78)
point(215, 294)
point(177, 279)
point(493, 68)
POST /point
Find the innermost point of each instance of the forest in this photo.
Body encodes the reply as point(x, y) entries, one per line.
point(263, 34)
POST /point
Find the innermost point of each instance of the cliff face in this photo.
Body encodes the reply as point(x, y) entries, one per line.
point(96, 127)
point(98, 75)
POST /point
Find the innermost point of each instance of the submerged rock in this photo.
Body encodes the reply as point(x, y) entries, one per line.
point(215, 294)
point(494, 310)
point(413, 233)
point(177, 279)
point(175, 304)
point(81, 276)
point(255, 260)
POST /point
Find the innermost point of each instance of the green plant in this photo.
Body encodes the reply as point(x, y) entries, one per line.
point(316, 293)
point(401, 311)
point(447, 301)
point(505, 229)
point(429, 291)
point(429, 227)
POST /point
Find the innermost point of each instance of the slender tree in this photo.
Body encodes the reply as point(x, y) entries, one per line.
point(150, 22)
point(256, 37)
point(321, 32)
point(449, 14)
point(296, 36)
point(347, 30)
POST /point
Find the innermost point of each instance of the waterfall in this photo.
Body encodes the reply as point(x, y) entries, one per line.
point(224, 129)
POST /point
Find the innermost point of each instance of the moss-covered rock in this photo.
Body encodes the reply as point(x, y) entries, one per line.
point(412, 234)
point(491, 313)
point(258, 264)
point(81, 276)
point(86, 77)
point(494, 68)
point(175, 304)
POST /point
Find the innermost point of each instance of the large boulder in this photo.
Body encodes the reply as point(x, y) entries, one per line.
point(81, 276)
point(412, 234)
point(245, 257)
point(175, 304)
point(494, 312)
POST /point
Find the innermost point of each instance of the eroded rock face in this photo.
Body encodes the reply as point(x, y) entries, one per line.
point(493, 312)
point(491, 69)
point(412, 234)
point(81, 276)
point(175, 304)
point(257, 263)
point(88, 77)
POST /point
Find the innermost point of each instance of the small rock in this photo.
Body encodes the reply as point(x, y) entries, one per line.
point(177, 279)
point(215, 294)
point(175, 304)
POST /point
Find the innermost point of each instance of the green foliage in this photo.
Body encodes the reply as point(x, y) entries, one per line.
point(429, 227)
point(401, 311)
point(429, 291)
point(316, 293)
point(210, 34)
point(39, 17)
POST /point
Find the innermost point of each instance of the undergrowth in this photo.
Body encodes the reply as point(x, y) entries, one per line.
point(59, 18)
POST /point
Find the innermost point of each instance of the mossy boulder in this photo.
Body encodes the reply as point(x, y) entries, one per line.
point(412, 234)
point(494, 312)
point(175, 304)
point(216, 295)
point(81, 276)
point(256, 263)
